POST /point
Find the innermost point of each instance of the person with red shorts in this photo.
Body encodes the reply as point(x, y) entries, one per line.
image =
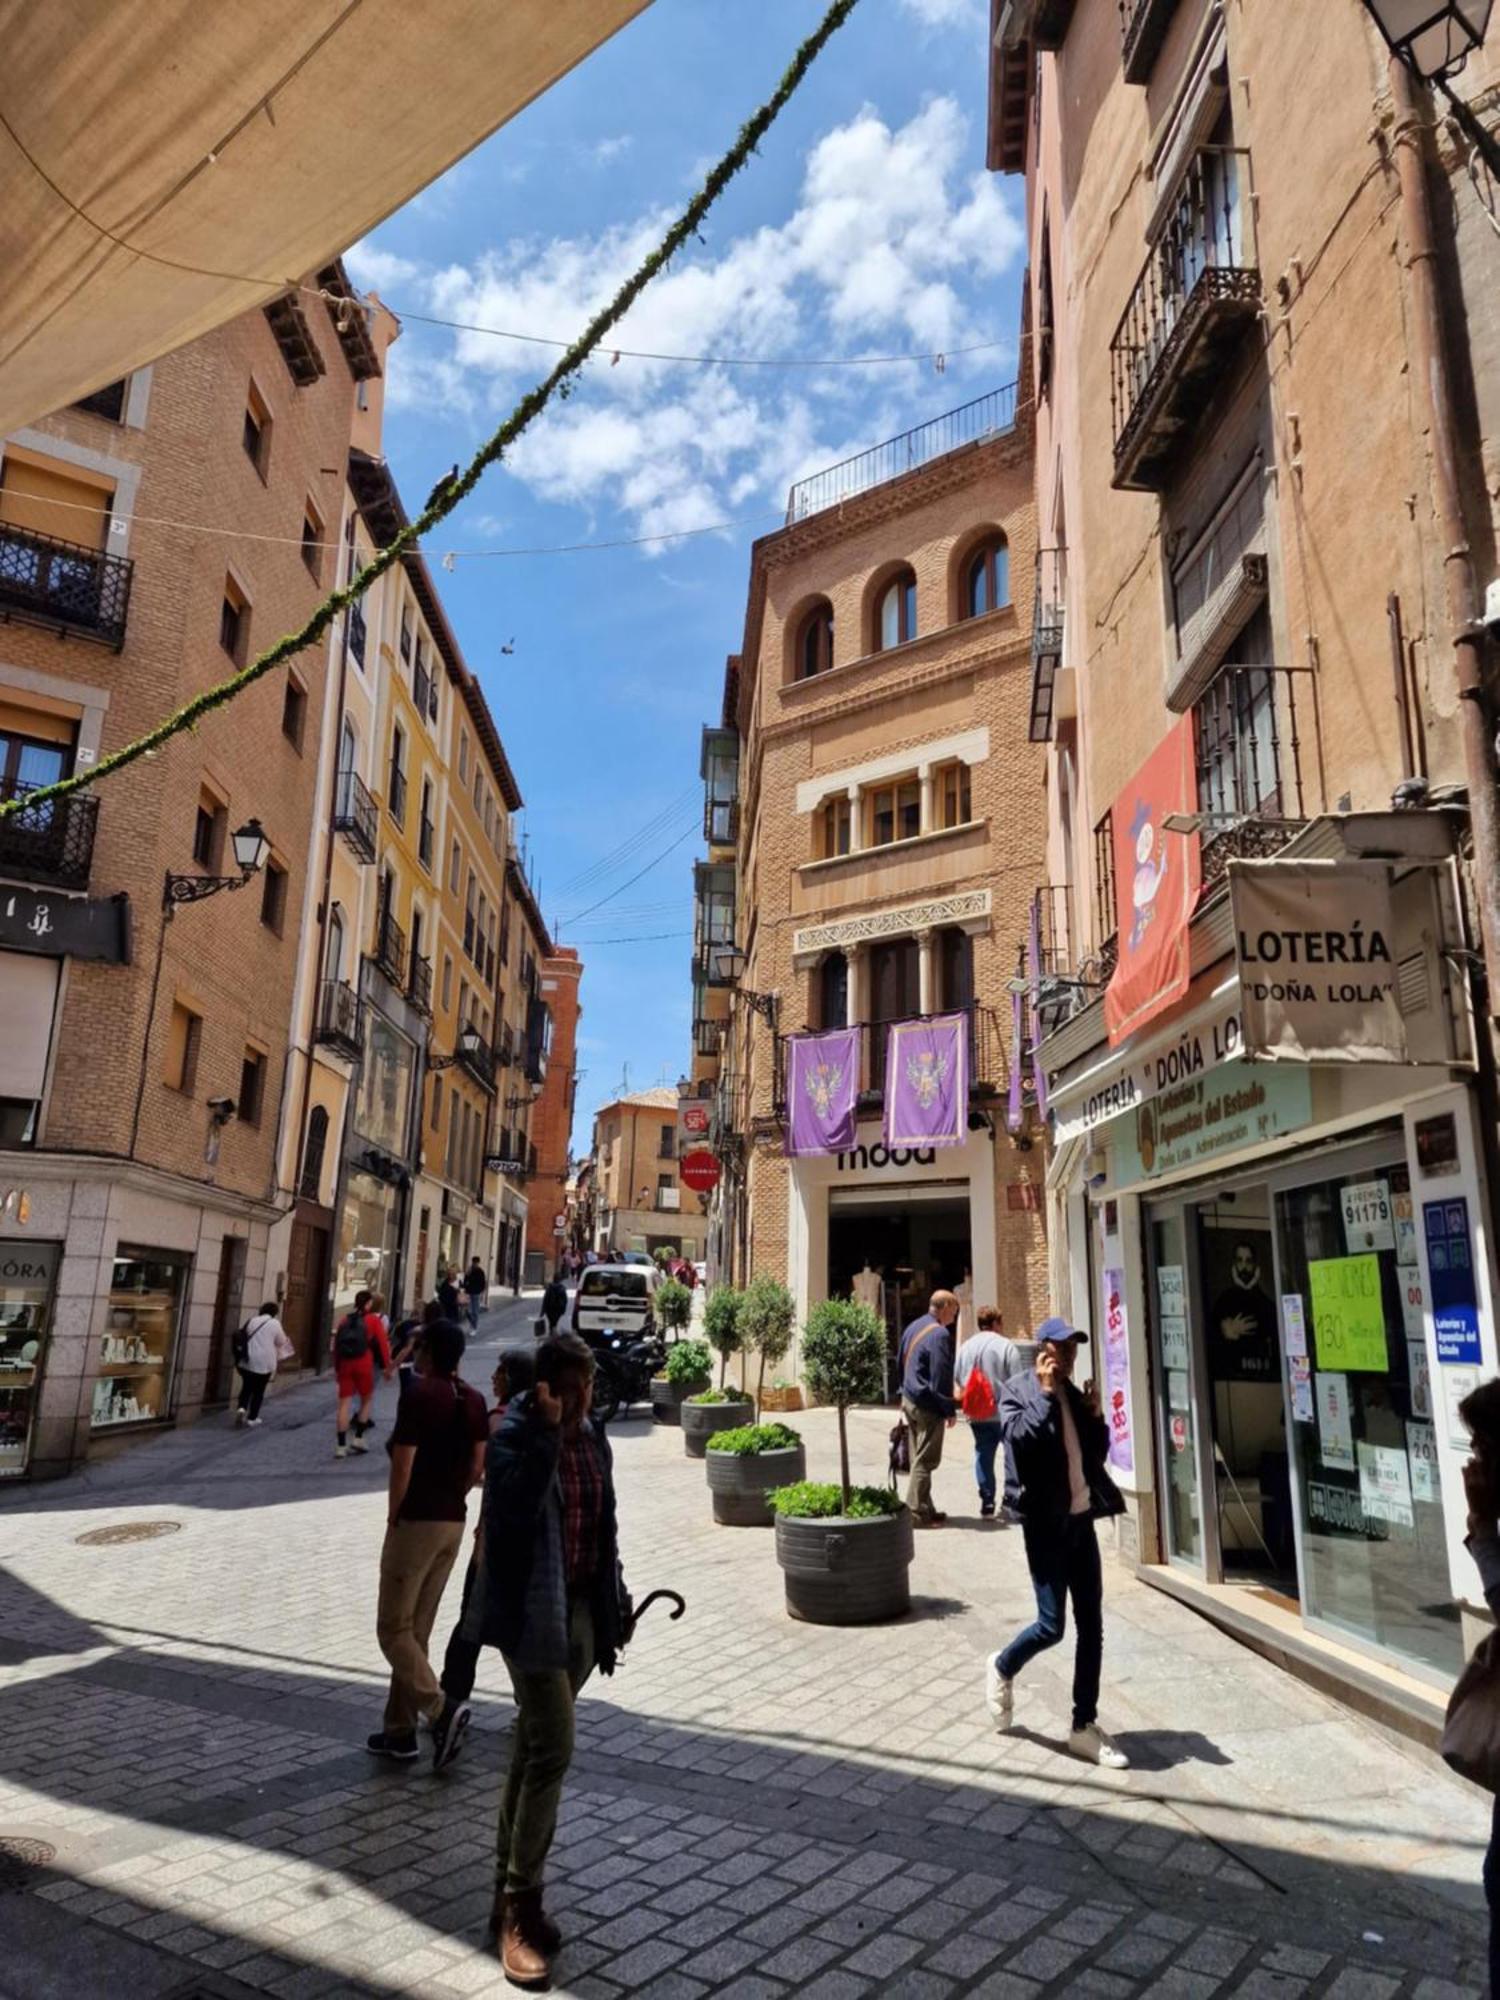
point(359, 1337)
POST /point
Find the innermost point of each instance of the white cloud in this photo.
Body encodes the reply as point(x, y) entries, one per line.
point(945, 13)
point(378, 270)
point(894, 246)
point(606, 150)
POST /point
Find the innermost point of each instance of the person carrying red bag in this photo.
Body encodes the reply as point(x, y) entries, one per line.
point(985, 1362)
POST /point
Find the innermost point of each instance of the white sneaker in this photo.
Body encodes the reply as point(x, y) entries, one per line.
point(239, 1418)
point(999, 1695)
point(1094, 1747)
point(254, 1423)
point(358, 1444)
point(341, 1451)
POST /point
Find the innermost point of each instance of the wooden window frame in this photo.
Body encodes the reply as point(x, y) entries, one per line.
point(192, 1048)
point(815, 634)
point(903, 580)
point(954, 778)
point(234, 605)
point(984, 555)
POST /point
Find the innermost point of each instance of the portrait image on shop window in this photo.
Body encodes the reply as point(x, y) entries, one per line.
point(1242, 1313)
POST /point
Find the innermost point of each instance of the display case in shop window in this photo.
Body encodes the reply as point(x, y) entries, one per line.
point(138, 1344)
point(28, 1273)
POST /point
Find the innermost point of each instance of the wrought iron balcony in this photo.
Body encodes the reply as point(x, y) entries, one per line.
point(479, 1063)
point(52, 842)
point(338, 1023)
point(1046, 638)
point(1248, 733)
point(419, 987)
point(986, 417)
point(1143, 29)
point(66, 586)
point(1198, 291)
point(390, 948)
point(355, 814)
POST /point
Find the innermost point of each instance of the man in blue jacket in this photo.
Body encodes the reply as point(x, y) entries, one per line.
point(1059, 1440)
point(555, 1605)
point(926, 1361)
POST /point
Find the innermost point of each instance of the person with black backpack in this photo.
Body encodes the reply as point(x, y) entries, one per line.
point(258, 1345)
point(357, 1339)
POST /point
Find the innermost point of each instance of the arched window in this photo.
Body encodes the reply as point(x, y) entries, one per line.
point(815, 641)
point(896, 611)
point(987, 578)
point(312, 1154)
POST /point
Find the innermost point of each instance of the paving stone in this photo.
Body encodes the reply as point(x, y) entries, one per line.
point(1044, 1958)
point(884, 1955)
point(964, 1957)
point(801, 1959)
point(836, 1986)
point(645, 1962)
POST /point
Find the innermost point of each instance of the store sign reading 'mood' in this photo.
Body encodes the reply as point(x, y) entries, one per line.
point(1315, 947)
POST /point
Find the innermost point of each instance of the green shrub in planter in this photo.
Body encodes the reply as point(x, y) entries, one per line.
point(713, 1396)
point(688, 1366)
point(767, 1312)
point(843, 1358)
point(673, 1309)
point(818, 1500)
point(751, 1438)
point(721, 1324)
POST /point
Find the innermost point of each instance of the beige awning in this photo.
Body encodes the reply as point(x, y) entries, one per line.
point(168, 164)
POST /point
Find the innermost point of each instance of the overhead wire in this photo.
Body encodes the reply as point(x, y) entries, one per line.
point(655, 861)
point(642, 834)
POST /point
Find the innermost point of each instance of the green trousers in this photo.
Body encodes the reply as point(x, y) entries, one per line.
point(541, 1751)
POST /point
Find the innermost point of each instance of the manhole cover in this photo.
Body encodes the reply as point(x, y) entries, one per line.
point(21, 1860)
point(127, 1531)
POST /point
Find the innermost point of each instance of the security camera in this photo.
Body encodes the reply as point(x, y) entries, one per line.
point(221, 1109)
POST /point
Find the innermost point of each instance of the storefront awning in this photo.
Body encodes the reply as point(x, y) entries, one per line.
point(168, 167)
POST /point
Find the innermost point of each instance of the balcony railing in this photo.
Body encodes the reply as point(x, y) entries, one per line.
point(708, 1037)
point(721, 822)
point(1249, 731)
point(66, 586)
point(395, 797)
point(355, 815)
point(390, 948)
point(986, 417)
point(1198, 290)
point(338, 1024)
point(479, 1063)
point(988, 1067)
point(1046, 638)
point(1143, 29)
point(51, 842)
point(419, 986)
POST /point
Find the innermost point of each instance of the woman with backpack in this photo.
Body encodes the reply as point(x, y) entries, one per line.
point(358, 1337)
point(258, 1346)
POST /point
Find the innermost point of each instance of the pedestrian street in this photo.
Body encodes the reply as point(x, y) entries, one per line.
point(756, 1808)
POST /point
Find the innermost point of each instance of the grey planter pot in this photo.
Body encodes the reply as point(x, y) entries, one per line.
point(844, 1572)
point(666, 1400)
point(739, 1485)
point(701, 1420)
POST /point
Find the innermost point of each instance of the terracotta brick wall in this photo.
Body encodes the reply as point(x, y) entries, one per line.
point(552, 1118)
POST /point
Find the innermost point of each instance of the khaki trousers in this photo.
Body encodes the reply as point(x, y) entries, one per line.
point(926, 1455)
point(414, 1566)
point(541, 1751)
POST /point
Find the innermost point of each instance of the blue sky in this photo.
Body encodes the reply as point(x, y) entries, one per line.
point(867, 225)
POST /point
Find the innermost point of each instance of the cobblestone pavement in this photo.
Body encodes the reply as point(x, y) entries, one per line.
point(758, 1808)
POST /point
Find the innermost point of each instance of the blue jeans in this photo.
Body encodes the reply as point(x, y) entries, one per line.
point(986, 1444)
point(1063, 1558)
point(472, 1300)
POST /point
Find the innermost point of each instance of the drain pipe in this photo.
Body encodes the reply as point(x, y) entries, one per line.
point(1431, 362)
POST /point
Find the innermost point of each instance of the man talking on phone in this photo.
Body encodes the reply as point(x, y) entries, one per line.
point(1058, 1440)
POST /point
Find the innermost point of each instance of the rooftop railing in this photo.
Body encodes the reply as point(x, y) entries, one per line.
point(987, 416)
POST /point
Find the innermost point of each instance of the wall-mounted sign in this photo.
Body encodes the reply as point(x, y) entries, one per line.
point(1450, 1259)
point(700, 1171)
point(1348, 1314)
point(1316, 952)
point(1134, 1077)
point(1369, 1220)
point(75, 926)
point(1437, 1145)
point(1224, 1111)
point(501, 1163)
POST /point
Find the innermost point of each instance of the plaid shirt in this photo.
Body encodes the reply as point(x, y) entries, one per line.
point(580, 1474)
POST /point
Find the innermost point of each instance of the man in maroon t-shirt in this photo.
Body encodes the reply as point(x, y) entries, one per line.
point(437, 1455)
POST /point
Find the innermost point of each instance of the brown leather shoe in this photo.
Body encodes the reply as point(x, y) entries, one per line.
point(548, 1935)
point(523, 1958)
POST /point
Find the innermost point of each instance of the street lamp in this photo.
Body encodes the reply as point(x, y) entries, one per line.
point(250, 850)
point(727, 964)
point(1434, 37)
point(467, 1048)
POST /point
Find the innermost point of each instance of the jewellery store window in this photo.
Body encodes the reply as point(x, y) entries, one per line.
point(138, 1345)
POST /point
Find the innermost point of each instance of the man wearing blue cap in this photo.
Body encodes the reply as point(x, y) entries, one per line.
point(1059, 1440)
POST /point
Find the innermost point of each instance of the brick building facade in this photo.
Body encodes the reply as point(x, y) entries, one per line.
point(552, 1117)
point(639, 1202)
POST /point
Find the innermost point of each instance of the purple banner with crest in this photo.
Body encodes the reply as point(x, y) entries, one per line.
point(822, 1086)
point(927, 1082)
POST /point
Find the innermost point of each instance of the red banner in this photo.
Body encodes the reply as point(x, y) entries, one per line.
point(1157, 878)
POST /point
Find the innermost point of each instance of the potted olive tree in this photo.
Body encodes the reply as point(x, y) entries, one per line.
point(766, 1315)
point(672, 1308)
point(688, 1370)
point(844, 1550)
point(721, 1324)
point(747, 1463)
point(712, 1410)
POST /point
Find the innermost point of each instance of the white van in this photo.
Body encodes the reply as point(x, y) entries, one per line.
point(614, 1298)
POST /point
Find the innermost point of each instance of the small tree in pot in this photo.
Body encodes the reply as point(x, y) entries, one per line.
point(672, 1307)
point(688, 1370)
point(767, 1311)
point(746, 1464)
point(721, 1324)
point(844, 1550)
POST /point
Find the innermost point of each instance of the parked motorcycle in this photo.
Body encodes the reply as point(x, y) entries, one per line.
point(625, 1364)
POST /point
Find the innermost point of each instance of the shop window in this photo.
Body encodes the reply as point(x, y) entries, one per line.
point(312, 541)
point(895, 812)
point(896, 612)
point(294, 712)
point(954, 801)
point(815, 641)
point(26, 1293)
point(137, 1347)
point(184, 1039)
point(835, 821)
point(252, 1088)
point(256, 433)
point(273, 897)
point(987, 577)
point(313, 1152)
point(234, 622)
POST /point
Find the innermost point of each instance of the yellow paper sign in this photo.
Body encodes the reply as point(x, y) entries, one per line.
point(1348, 1313)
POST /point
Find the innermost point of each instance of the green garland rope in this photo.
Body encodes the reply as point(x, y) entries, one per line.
point(449, 493)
